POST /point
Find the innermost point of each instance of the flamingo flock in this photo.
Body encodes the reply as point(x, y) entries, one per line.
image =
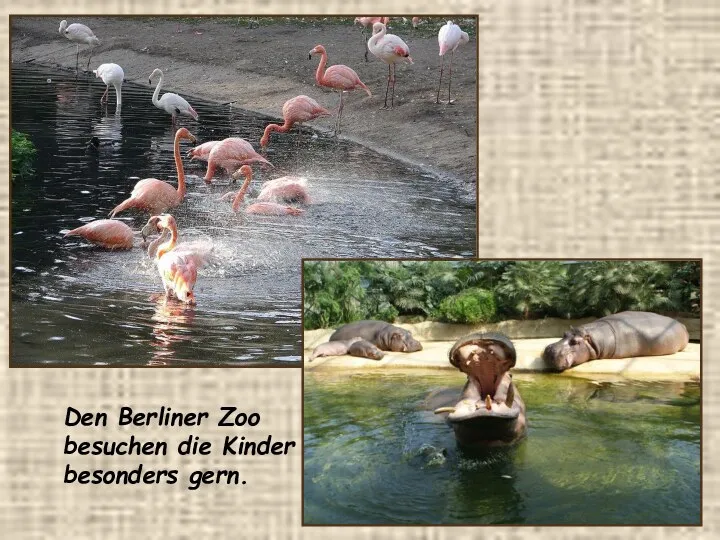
point(178, 263)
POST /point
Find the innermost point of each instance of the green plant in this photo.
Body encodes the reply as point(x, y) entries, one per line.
point(333, 294)
point(470, 307)
point(530, 287)
point(684, 286)
point(23, 154)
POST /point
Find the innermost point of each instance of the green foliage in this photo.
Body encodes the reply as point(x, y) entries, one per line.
point(471, 306)
point(530, 287)
point(23, 154)
point(476, 291)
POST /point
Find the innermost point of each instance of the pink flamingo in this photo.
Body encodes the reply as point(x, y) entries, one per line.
point(390, 49)
point(450, 37)
point(364, 23)
point(295, 110)
point(269, 208)
point(177, 268)
point(230, 154)
point(157, 196)
point(287, 189)
point(106, 233)
point(339, 77)
point(201, 152)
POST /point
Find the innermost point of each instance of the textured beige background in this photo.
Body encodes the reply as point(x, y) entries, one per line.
point(600, 125)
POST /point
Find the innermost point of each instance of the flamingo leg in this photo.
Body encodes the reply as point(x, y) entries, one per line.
point(337, 128)
point(77, 59)
point(362, 31)
point(89, 58)
point(450, 77)
point(103, 99)
point(387, 88)
point(392, 98)
point(442, 65)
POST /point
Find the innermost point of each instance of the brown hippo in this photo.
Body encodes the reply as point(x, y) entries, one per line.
point(622, 335)
point(355, 346)
point(490, 411)
point(383, 335)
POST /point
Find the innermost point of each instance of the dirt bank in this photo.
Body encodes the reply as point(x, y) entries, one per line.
point(262, 65)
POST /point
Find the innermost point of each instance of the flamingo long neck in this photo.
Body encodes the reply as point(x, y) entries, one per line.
point(156, 94)
point(237, 201)
point(169, 245)
point(320, 73)
point(377, 37)
point(153, 246)
point(181, 189)
point(63, 26)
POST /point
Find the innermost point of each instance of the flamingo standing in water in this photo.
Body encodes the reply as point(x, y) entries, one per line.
point(450, 37)
point(155, 195)
point(269, 208)
point(288, 189)
point(106, 233)
point(364, 23)
point(390, 49)
point(79, 33)
point(177, 268)
point(170, 102)
point(339, 77)
point(111, 74)
point(201, 152)
point(295, 110)
point(230, 154)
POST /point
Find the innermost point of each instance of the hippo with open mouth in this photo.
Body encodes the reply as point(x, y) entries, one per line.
point(622, 335)
point(490, 411)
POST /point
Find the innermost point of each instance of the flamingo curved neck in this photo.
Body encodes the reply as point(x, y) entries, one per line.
point(377, 37)
point(237, 201)
point(169, 245)
point(156, 94)
point(181, 189)
point(320, 73)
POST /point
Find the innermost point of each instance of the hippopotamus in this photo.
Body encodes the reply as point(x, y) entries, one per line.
point(622, 335)
point(355, 346)
point(490, 411)
point(383, 335)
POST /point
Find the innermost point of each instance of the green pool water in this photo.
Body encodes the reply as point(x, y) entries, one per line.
point(620, 453)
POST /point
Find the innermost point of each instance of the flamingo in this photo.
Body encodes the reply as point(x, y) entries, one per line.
point(199, 250)
point(79, 33)
point(106, 233)
point(339, 77)
point(284, 189)
point(170, 102)
point(364, 23)
point(415, 22)
point(155, 195)
point(111, 74)
point(295, 110)
point(230, 154)
point(201, 152)
point(390, 49)
point(269, 208)
point(177, 268)
point(450, 37)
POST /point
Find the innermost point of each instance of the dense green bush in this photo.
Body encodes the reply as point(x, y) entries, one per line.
point(471, 306)
point(23, 154)
point(344, 291)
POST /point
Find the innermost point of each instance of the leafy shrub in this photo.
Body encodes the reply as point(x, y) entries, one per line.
point(684, 287)
point(23, 154)
point(470, 307)
point(530, 288)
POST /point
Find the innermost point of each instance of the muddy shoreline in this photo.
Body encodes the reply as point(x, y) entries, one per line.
point(260, 66)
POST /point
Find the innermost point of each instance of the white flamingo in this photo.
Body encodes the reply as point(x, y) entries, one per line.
point(390, 49)
point(450, 37)
point(111, 74)
point(79, 33)
point(170, 102)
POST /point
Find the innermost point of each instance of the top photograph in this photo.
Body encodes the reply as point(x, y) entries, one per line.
point(170, 173)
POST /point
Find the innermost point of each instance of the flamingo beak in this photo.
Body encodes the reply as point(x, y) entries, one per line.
point(310, 55)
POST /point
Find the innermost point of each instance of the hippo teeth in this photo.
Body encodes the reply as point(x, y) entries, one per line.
point(441, 410)
point(510, 396)
point(488, 402)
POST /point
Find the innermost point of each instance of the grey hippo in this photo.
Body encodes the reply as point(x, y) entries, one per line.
point(622, 335)
point(374, 335)
point(490, 411)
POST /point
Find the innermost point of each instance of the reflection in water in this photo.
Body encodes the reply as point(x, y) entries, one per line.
point(172, 322)
point(248, 310)
point(374, 453)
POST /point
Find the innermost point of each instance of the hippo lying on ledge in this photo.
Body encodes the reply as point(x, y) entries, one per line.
point(622, 335)
point(367, 339)
point(490, 411)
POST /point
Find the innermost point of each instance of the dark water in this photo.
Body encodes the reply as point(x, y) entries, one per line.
point(618, 454)
point(75, 303)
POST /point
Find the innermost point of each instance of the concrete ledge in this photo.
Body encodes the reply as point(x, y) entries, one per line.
point(683, 365)
point(541, 328)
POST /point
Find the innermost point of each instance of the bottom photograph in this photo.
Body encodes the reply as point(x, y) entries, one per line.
point(518, 392)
